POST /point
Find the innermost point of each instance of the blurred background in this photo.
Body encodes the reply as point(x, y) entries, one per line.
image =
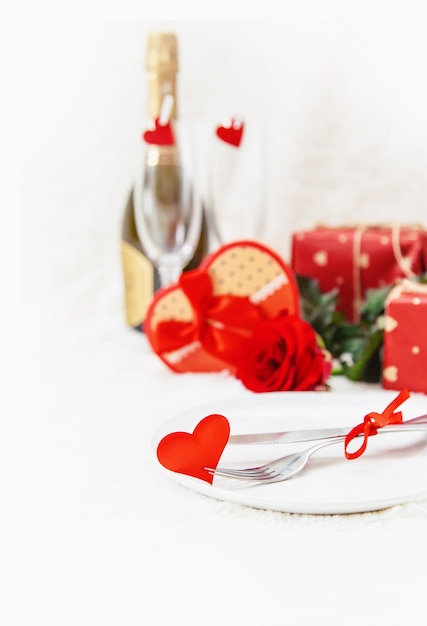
point(340, 96)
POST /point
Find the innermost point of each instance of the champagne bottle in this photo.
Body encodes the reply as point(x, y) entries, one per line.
point(141, 278)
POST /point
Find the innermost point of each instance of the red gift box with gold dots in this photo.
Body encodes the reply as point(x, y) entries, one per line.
point(405, 338)
point(355, 259)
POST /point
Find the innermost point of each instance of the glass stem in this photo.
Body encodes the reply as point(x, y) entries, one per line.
point(169, 274)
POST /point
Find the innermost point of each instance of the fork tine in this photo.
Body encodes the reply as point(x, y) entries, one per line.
point(225, 472)
point(228, 471)
point(240, 473)
point(259, 476)
point(267, 476)
point(250, 474)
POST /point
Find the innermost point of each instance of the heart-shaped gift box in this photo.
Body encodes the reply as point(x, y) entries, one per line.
point(202, 323)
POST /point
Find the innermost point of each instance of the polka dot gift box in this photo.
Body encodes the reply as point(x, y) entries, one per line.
point(203, 321)
point(405, 338)
point(357, 258)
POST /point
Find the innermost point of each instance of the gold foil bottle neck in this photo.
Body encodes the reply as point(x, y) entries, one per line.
point(162, 67)
point(162, 52)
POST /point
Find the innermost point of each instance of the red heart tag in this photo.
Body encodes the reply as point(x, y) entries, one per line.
point(190, 453)
point(231, 132)
point(160, 135)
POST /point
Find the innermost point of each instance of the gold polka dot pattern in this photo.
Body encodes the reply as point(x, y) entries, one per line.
point(173, 306)
point(390, 373)
point(242, 271)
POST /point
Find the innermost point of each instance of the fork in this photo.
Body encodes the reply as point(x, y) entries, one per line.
point(278, 470)
point(287, 466)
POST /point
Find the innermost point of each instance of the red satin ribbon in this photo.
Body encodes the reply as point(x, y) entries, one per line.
point(373, 421)
point(222, 324)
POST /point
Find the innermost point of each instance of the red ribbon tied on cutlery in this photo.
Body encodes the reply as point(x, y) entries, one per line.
point(373, 421)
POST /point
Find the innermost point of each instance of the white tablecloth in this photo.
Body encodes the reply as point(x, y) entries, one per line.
point(106, 538)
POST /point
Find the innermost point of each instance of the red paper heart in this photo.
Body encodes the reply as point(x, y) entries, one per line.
point(189, 454)
point(231, 132)
point(160, 135)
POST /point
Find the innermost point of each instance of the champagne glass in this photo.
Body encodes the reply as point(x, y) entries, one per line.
point(167, 204)
point(235, 181)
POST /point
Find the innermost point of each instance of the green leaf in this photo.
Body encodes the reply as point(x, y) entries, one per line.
point(355, 347)
point(318, 309)
point(422, 278)
point(374, 304)
point(367, 366)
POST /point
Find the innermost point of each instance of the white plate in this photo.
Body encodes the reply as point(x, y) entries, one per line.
point(393, 469)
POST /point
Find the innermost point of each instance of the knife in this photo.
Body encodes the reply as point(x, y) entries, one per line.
point(293, 436)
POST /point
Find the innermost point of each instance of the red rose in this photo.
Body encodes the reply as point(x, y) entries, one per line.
point(283, 355)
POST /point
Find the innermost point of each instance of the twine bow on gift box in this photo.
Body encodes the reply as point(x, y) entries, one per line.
point(401, 261)
point(359, 260)
point(405, 345)
point(405, 286)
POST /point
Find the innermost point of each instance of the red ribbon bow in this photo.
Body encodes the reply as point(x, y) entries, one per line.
point(373, 421)
point(222, 324)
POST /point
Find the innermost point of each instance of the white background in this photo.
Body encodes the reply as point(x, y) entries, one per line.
point(341, 95)
point(341, 91)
